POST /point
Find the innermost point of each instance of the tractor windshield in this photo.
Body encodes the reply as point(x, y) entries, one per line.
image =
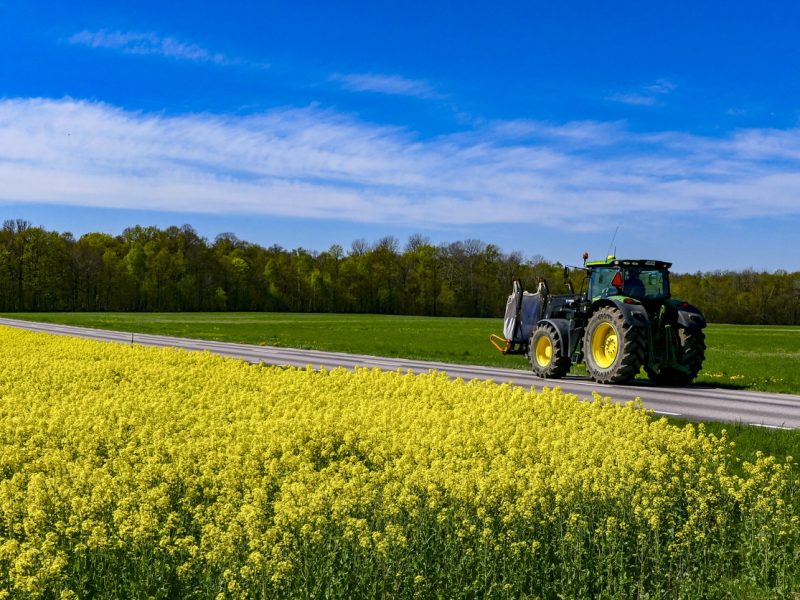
point(636, 282)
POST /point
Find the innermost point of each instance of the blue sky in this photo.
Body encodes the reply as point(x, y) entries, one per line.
point(540, 127)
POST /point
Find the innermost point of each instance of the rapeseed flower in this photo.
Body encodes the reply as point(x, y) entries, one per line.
point(128, 471)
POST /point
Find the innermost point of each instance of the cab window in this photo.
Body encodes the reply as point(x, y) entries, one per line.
point(656, 283)
point(600, 282)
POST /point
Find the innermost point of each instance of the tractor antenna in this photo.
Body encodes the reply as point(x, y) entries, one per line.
point(613, 238)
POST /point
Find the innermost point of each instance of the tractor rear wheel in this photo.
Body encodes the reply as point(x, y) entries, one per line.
point(690, 352)
point(614, 350)
point(547, 353)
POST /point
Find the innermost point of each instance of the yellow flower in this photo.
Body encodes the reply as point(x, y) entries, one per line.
point(250, 474)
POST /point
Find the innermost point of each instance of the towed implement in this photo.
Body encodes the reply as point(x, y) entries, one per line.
point(625, 319)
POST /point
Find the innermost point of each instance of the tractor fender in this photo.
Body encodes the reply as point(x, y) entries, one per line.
point(563, 328)
point(690, 317)
point(634, 313)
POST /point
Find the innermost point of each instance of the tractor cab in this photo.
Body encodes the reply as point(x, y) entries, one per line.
point(638, 279)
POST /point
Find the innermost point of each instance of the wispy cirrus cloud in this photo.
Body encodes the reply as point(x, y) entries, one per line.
point(322, 164)
point(153, 44)
point(387, 84)
point(645, 95)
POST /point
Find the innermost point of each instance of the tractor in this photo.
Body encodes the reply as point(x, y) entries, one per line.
point(625, 319)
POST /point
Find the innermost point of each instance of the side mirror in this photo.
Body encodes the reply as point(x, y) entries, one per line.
point(566, 272)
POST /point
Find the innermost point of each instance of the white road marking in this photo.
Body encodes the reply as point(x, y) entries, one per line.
point(381, 363)
point(666, 412)
point(768, 426)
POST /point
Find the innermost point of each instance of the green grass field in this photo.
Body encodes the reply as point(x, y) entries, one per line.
point(738, 356)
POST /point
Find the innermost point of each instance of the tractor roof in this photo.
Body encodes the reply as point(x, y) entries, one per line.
point(613, 261)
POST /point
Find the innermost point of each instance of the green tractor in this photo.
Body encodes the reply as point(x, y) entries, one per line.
point(624, 321)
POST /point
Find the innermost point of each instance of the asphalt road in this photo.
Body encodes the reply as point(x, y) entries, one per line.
point(697, 403)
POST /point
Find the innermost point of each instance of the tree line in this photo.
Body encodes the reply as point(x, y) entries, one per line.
point(175, 269)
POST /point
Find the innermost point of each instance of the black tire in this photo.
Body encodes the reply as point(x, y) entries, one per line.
point(691, 352)
point(614, 350)
point(547, 353)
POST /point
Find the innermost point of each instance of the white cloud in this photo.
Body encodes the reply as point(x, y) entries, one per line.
point(316, 163)
point(588, 133)
point(660, 86)
point(635, 99)
point(387, 84)
point(646, 95)
point(150, 43)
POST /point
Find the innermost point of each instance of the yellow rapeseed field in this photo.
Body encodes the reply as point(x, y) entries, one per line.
point(133, 472)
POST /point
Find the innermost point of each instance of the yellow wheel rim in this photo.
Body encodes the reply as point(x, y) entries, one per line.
point(543, 351)
point(605, 345)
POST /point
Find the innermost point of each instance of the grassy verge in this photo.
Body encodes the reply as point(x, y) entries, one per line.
point(748, 440)
point(738, 356)
point(753, 357)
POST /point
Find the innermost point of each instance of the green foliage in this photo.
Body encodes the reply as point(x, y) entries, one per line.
point(174, 269)
point(743, 297)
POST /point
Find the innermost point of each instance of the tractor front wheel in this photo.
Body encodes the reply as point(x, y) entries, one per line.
point(614, 350)
point(690, 351)
point(547, 353)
